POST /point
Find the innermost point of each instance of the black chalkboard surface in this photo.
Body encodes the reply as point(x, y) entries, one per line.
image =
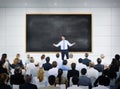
point(42, 30)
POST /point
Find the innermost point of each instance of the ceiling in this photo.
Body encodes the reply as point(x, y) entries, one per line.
point(59, 3)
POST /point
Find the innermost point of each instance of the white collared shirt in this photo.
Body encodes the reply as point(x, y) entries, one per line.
point(100, 87)
point(64, 44)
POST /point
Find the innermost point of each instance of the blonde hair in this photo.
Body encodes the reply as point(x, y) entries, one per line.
point(40, 74)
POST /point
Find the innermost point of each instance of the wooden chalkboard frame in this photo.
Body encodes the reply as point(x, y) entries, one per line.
point(32, 14)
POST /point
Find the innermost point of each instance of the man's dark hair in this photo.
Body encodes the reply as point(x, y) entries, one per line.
point(64, 62)
point(47, 59)
point(57, 55)
point(73, 66)
point(98, 60)
point(51, 79)
point(83, 71)
point(80, 60)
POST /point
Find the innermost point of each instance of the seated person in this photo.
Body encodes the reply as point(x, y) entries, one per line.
point(17, 78)
point(27, 84)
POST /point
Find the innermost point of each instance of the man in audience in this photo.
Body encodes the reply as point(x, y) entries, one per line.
point(27, 84)
point(84, 80)
point(91, 72)
point(80, 65)
point(103, 84)
point(75, 82)
point(86, 61)
point(47, 65)
point(58, 60)
point(54, 69)
point(64, 66)
point(51, 80)
point(99, 66)
point(27, 61)
point(73, 72)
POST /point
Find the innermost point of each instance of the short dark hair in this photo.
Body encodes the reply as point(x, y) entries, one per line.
point(83, 71)
point(51, 79)
point(47, 59)
point(73, 66)
point(64, 62)
point(54, 64)
point(80, 60)
point(27, 78)
point(57, 55)
point(98, 60)
point(75, 80)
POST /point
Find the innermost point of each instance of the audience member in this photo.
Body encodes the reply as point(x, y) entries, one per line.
point(31, 69)
point(53, 70)
point(73, 72)
point(75, 83)
point(27, 84)
point(5, 63)
point(17, 78)
point(99, 66)
point(40, 80)
point(4, 81)
point(42, 60)
point(91, 72)
point(47, 65)
point(27, 61)
point(64, 66)
point(84, 80)
point(80, 65)
point(3, 70)
point(51, 80)
point(86, 61)
point(58, 60)
point(60, 79)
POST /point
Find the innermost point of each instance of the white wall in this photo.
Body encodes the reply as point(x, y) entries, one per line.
point(106, 29)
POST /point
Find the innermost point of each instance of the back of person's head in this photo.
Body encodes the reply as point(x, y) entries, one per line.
point(75, 80)
point(102, 56)
point(64, 62)
point(31, 60)
point(86, 54)
point(27, 78)
point(18, 55)
point(17, 70)
point(91, 64)
point(70, 55)
point(80, 60)
point(47, 59)
point(99, 60)
point(16, 61)
point(117, 56)
point(73, 66)
point(54, 64)
point(40, 74)
point(42, 56)
point(104, 81)
point(83, 71)
point(51, 79)
point(57, 55)
point(3, 58)
point(4, 78)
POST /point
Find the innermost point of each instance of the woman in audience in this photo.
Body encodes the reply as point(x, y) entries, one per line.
point(27, 84)
point(3, 70)
point(41, 80)
point(17, 78)
point(5, 62)
point(4, 81)
point(42, 60)
point(60, 79)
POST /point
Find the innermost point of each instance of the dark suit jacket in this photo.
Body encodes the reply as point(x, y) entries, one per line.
point(17, 79)
point(47, 66)
point(4, 86)
point(99, 67)
point(72, 73)
point(86, 61)
point(3, 70)
point(28, 86)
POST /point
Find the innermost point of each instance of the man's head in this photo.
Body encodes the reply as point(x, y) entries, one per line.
point(51, 79)
point(63, 37)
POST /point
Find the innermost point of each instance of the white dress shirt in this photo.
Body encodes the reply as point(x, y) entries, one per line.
point(64, 44)
point(53, 71)
point(100, 87)
point(74, 87)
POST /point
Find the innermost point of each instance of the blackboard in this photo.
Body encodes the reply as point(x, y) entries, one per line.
point(42, 30)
